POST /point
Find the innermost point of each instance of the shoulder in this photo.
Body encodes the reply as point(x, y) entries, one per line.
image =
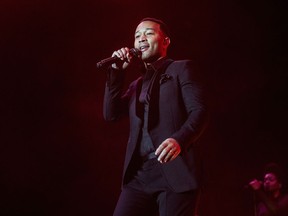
point(186, 70)
point(285, 197)
point(181, 64)
point(184, 61)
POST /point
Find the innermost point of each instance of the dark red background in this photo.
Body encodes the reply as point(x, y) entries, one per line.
point(59, 157)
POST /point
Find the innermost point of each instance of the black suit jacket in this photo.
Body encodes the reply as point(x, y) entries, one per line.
point(176, 110)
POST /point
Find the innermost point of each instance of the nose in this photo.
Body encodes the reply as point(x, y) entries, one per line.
point(142, 38)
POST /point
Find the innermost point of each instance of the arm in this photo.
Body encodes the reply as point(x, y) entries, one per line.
point(275, 208)
point(114, 103)
point(113, 106)
point(193, 98)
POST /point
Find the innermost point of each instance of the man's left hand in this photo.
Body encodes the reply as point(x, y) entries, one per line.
point(168, 150)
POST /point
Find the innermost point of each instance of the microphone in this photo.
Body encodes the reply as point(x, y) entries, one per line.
point(107, 61)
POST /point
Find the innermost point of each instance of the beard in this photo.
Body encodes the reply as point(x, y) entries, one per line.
point(149, 57)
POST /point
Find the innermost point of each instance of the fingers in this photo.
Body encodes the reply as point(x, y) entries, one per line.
point(255, 184)
point(168, 150)
point(122, 53)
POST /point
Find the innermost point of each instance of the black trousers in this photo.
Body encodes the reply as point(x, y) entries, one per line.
point(148, 194)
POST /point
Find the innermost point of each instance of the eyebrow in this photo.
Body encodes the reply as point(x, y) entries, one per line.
point(145, 30)
point(270, 178)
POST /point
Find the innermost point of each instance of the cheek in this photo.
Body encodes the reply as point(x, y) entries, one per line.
point(157, 47)
point(274, 185)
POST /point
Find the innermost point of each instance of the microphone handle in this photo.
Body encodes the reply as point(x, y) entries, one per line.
point(107, 61)
point(133, 51)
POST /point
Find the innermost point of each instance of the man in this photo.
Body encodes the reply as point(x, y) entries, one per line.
point(272, 201)
point(167, 116)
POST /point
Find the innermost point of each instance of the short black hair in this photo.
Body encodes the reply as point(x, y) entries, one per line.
point(163, 25)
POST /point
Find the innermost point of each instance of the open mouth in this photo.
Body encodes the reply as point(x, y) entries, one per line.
point(144, 48)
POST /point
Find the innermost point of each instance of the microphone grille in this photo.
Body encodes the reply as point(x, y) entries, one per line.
point(135, 52)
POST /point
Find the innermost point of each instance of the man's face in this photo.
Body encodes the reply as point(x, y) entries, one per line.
point(271, 183)
point(151, 41)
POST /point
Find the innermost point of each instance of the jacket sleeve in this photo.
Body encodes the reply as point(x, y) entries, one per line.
point(113, 106)
point(194, 99)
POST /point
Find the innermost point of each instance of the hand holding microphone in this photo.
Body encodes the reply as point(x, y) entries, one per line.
point(124, 55)
point(120, 58)
point(255, 184)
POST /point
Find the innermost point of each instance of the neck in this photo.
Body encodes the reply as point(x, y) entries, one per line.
point(150, 63)
point(276, 194)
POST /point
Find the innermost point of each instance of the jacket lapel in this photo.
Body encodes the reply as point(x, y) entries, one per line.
point(153, 115)
point(138, 106)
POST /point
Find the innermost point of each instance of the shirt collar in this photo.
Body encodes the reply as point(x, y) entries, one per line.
point(157, 64)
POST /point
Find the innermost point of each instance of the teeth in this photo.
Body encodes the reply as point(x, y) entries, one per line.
point(143, 47)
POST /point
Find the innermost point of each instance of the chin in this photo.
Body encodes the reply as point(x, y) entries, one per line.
point(149, 58)
point(145, 56)
point(267, 189)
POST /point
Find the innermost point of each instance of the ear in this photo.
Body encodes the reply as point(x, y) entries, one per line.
point(166, 41)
